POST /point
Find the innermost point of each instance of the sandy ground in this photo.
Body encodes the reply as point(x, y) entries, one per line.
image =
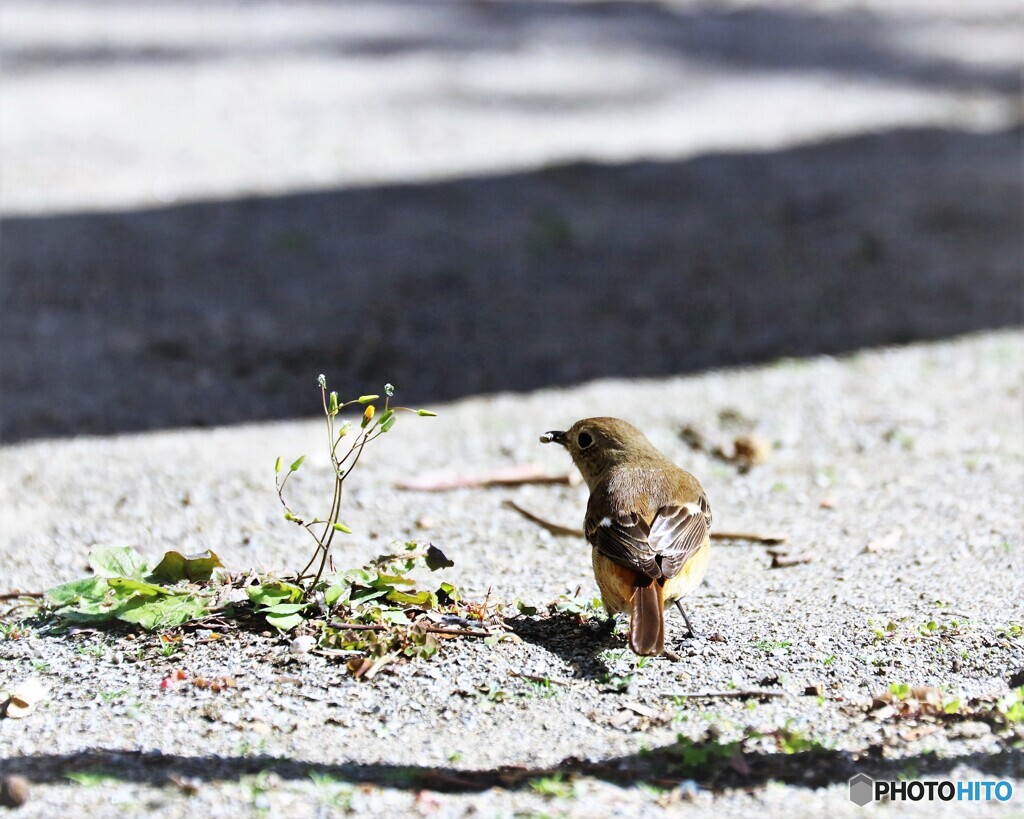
point(875, 449)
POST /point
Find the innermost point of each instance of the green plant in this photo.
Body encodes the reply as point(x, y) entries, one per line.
point(371, 427)
point(91, 777)
point(334, 793)
point(792, 740)
point(125, 589)
point(554, 786)
point(583, 609)
point(772, 645)
point(701, 757)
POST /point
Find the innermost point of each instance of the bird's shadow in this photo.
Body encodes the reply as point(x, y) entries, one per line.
point(577, 642)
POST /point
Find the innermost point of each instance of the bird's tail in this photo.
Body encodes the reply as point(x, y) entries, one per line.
point(647, 619)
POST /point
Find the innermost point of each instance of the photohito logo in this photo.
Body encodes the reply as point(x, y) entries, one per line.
point(864, 789)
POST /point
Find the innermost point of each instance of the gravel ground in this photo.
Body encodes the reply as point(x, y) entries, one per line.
point(918, 451)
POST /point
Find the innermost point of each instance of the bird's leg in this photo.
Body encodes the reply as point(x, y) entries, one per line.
point(689, 625)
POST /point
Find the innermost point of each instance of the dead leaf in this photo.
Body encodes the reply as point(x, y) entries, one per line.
point(783, 560)
point(25, 698)
point(642, 710)
point(621, 719)
point(883, 544)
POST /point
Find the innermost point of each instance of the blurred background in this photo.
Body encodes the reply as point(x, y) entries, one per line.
point(205, 204)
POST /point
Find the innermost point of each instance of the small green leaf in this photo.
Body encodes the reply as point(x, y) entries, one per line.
point(175, 567)
point(337, 593)
point(387, 420)
point(341, 527)
point(421, 598)
point(284, 622)
point(163, 612)
point(447, 594)
point(117, 561)
point(366, 399)
point(529, 611)
point(277, 465)
point(395, 616)
point(270, 594)
point(436, 559)
point(66, 594)
point(126, 587)
point(296, 464)
point(952, 707)
point(426, 413)
point(284, 608)
point(384, 580)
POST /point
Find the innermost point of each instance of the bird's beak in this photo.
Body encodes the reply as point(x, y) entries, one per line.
point(554, 436)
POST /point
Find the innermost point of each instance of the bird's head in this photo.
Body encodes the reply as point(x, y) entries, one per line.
point(599, 444)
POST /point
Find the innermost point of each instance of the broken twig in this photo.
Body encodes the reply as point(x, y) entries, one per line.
point(568, 531)
point(518, 475)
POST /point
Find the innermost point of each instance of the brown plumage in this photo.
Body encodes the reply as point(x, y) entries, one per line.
point(647, 520)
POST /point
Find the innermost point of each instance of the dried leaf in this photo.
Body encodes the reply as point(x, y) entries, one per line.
point(883, 544)
point(23, 700)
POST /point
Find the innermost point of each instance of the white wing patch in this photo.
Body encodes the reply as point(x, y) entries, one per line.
point(605, 521)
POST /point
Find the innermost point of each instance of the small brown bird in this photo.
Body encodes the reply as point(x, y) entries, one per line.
point(648, 522)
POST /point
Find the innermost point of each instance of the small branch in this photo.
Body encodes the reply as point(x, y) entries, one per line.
point(568, 531)
point(554, 528)
point(518, 475)
point(17, 595)
point(737, 694)
point(752, 537)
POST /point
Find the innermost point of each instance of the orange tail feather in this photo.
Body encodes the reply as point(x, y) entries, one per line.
point(647, 619)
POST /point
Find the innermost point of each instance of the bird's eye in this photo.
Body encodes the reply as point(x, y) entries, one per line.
point(585, 440)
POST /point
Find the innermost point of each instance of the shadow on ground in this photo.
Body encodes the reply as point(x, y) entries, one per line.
point(226, 311)
point(852, 42)
point(711, 763)
point(577, 644)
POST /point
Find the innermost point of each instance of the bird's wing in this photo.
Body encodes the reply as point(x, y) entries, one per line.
point(658, 549)
point(622, 538)
point(678, 532)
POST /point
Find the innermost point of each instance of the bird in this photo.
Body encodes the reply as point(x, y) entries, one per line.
point(648, 522)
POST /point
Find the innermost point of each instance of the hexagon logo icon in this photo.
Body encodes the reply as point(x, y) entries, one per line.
point(862, 789)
